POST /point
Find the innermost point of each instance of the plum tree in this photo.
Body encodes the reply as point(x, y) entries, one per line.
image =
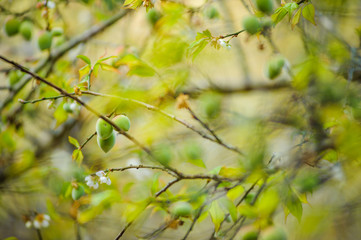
point(252, 24)
point(26, 30)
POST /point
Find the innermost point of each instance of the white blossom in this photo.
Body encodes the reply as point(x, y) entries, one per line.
point(90, 181)
point(41, 221)
point(103, 178)
point(224, 44)
point(28, 224)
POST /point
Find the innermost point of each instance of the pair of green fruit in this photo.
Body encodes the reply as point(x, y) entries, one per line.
point(252, 24)
point(13, 26)
point(106, 134)
point(274, 67)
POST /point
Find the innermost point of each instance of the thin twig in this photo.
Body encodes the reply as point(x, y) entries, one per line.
point(87, 140)
point(75, 98)
point(171, 183)
point(38, 232)
point(123, 231)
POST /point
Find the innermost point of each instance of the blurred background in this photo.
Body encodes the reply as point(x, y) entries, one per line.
point(299, 131)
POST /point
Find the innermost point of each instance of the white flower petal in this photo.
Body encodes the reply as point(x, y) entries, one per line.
point(46, 217)
point(100, 173)
point(45, 224)
point(28, 224)
point(37, 224)
point(108, 181)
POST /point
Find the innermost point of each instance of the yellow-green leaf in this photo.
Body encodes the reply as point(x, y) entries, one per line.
point(308, 13)
point(296, 18)
point(74, 141)
point(217, 215)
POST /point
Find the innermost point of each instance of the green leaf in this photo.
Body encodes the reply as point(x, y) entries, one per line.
point(308, 13)
point(74, 141)
point(230, 172)
point(60, 115)
point(84, 71)
point(132, 4)
point(231, 208)
point(136, 66)
point(290, 7)
point(196, 47)
point(296, 17)
point(294, 205)
point(78, 156)
point(105, 58)
point(235, 192)
point(107, 67)
point(155, 184)
point(84, 58)
point(197, 162)
point(279, 14)
point(217, 215)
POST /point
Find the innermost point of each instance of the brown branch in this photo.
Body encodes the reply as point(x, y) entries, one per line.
point(75, 98)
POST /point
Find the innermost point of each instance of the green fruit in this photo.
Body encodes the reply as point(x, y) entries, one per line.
point(14, 77)
point(274, 67)
point(210, 105)
point(57, 31)
point(67, 108)
point(275, 234)
point(251, 24)
point(26, 29)
point(251, 235)
point(122, 122)
point(153, 16)
point(104, 129)
point(12, 27)
point(163, 154)
point(77, 193)
point(212, 13)
point(181, 209)
point(265, 6)
point(59, 41)
point(45, 40)
point(106, 144)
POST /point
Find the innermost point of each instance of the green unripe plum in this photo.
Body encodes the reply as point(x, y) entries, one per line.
point(77, 193)
point(57, 31)
point(67, 108)
point(45, 41)
point(163, 154)
point(153, 16)
point(106, 144)
point(251, 235)
point(12, 27)
point(122, 122)
point(274, 67)
point(265, 6)
point(14, 77)
point(275, 234)
point(212, 13)
point(210, 105)
point(104, 129)
point(181, 209)
point(26, 30)
point(251, 24)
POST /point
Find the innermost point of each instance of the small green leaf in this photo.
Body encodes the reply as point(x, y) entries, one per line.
point(290, 7)
point(296, 18)
point(132, 4)
point(217, 215)
point(77, 156)
point(197, 162)
point(231, 172)
point(196, 47)
point(308, 13)
point(84, 58)
point(84, 71)
point(74, 141)
point(155, 184)
point(294, 205)
point(231, 208)
point(279, 14)
point(107, 67)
